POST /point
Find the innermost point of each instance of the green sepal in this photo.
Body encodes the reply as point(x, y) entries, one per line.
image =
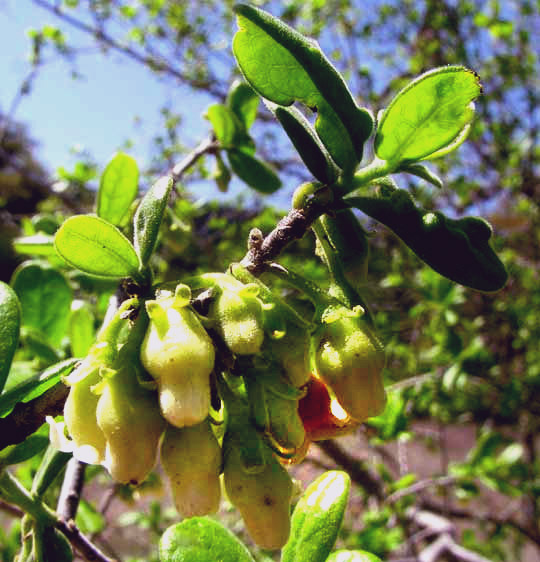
point(458, 249)
point(284, 66)
point(317, 518)
point(10, 323)
point(306, 142)
point(253, 171)
point(118, 188)
point(148, 218)
point(199, 539)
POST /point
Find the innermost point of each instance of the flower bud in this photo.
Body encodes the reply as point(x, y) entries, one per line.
point(349, 358)
point(179, 354)
point(191, 458)
point(263, 498)
point(238, 315)
point(132, 424)
point(80, 412)
point(292, 351)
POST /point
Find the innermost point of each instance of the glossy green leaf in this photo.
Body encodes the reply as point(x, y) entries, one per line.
point(81, 328)
point(317, 518)
point(148, 217)
point(35, 386)
point(306, 142)
point(45, 297)
point(10, 323)
point(429, 114)
point(458, 249)
point(284, 66)
point(224, 122)
point(352, 556)
point(244, 102)
point(96, 247)
point(253, 171)
point(423, 172)
point(32, 445)
point(200, 539)
point(118, 188)
point(35, 245)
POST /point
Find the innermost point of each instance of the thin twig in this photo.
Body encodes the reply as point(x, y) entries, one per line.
point(70, 494)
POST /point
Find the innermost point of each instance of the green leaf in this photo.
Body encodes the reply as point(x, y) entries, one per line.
point(31, 446)
point(224, 122)
point(458, 249)
point(306, 142)
point(200, 539)
point(253, 172)
point(45, 297)
point(88, 519)
point(81, 328)
point(352, 556)
point(10, 323)
point(244, 102)
point(96, 247)
point(422, 172)
point(148, 218)
point(118, 188)
point(429, 116)
point(36, 245)
point(284, 66)
point(35, 386)
point(317, 518)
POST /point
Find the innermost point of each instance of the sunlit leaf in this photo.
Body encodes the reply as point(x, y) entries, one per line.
point(118, 188)
point(96, 247)
point(10, 322)
point(429, 117)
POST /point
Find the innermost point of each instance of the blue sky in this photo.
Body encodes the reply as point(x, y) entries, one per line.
point(96, 112)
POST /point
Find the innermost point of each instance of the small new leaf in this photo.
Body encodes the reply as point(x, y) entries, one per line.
point(148, 218)
point(284, 66)
point(96, 247)
point(429, 117)
point(118, 188)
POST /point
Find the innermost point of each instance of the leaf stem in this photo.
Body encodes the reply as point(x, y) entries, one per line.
point(375, 169)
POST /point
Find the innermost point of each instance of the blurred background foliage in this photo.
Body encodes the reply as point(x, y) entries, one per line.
point(455, 456)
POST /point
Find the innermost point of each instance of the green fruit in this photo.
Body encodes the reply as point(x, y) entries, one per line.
point(191, 459)
point(80, 413)
point(132, 424)
point(263, 499)
point(349, 358)
point(179, 354)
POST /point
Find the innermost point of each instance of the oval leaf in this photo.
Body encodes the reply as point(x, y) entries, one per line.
point(284, 66)
point(148, 217)
point(352, 556)
point(244, 102)
point(10, 323)
point(317, 518)
point(428, 115)
point(200, 539)
point(118, 188)
point(458, 249)
point(224, 122)
point(81, 328)
point(36, 245)
point(253, 172)
point(45, 297)
point(96, 247)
